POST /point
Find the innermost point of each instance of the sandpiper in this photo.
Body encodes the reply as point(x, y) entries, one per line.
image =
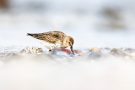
point(54, 39)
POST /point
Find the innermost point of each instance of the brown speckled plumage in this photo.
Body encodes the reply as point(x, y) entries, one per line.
point(55, 37)
point(51, 37)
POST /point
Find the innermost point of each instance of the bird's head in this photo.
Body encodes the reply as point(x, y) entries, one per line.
point(68, 42)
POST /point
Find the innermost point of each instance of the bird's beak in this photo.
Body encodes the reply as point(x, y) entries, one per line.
point(72, 50)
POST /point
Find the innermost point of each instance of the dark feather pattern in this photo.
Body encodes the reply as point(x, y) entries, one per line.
point(51, 37)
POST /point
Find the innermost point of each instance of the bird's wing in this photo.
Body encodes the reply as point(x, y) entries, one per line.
point(54, 36)
point(51, 37)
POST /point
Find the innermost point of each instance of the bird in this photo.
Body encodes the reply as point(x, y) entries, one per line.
point(54, 39)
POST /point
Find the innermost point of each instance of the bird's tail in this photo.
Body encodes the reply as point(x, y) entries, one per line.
point(33, 35)
point(28, 34)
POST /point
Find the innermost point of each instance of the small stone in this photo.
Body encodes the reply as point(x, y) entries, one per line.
point(33, 50)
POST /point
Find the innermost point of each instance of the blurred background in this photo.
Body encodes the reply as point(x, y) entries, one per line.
point(93, 23)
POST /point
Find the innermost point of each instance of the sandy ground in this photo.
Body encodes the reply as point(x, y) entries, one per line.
point(95, 70)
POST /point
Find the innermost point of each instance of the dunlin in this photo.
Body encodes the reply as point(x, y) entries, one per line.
point(54, 39)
